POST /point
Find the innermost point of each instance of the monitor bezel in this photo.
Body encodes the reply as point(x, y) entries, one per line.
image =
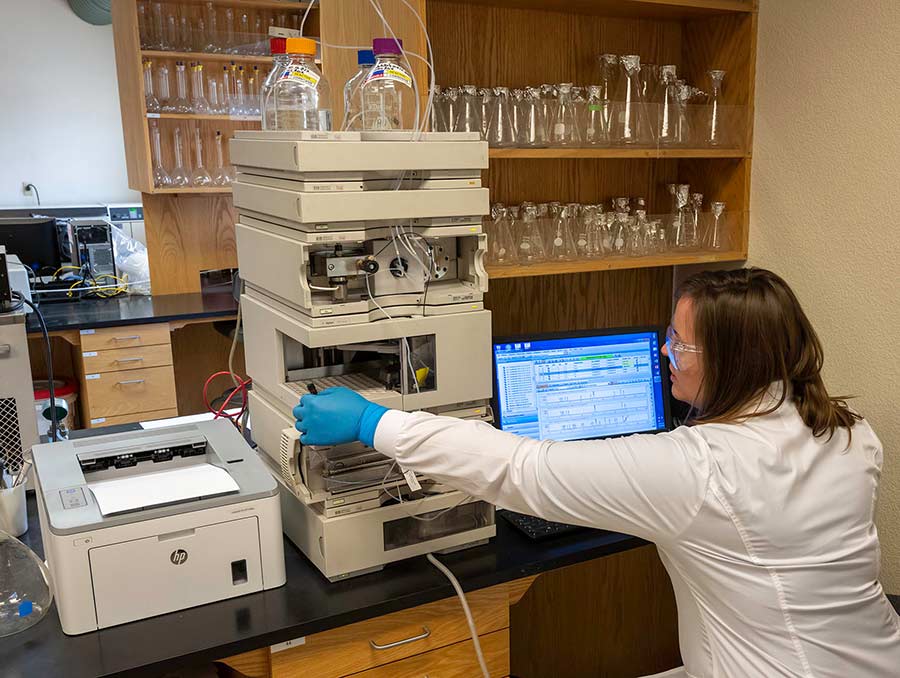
point(579, 334)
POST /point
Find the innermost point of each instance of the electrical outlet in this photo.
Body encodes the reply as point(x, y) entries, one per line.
point(26, 188)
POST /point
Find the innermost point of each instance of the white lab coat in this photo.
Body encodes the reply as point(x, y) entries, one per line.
point(767, 533)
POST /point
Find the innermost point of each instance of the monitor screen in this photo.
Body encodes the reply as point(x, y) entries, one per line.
point(35, 241)
point(579, 386)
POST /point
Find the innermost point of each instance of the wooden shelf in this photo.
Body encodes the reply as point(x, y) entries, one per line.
point(204, 56)
point(615, 153)
point(286, 5)
point(196, 116)
point(659, 9)
point(197, 189)
point(563, 267)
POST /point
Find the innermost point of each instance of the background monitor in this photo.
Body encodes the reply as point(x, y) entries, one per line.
point(34, 240)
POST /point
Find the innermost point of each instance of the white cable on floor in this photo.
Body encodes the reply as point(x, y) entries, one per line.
point(465, 605)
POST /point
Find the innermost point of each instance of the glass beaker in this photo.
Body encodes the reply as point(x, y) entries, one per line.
point(531, 240)
point(630, 120)
point(301, 96)
point(715, 128)
point(501, 132)
point(532, 129)
point(161, 178)
point(596, 117)
point(150, 101)
point(221, 176)
point(715, 239)
point(564, 131)
point(670, 125)
point(609, 77)
point(468, 111)
point(562, 245)
point(179, 174)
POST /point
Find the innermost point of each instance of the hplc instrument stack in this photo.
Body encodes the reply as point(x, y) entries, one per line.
point(362, 255)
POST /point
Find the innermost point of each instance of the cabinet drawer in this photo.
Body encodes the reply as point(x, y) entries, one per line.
point(348, 649)
point(115, 393)
point(131, 418)
point(455, 661)
point(126, 358)
point(126, 336)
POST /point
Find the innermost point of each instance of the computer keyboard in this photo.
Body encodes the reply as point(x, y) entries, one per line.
point(538, 528)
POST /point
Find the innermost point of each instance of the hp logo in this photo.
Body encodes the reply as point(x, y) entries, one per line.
point(178, 557)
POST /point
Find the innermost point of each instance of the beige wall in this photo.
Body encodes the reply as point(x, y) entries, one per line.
point(826, 201)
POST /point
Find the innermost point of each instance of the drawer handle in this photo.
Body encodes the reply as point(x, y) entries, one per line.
point(129, 360)
point(422, 636)
point(130, 381)
point(133, 337)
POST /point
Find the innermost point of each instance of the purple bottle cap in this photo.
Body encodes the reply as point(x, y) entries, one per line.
point(387, 46)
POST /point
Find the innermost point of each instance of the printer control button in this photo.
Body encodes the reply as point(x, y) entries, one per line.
point(83, 541)
point(72, 497)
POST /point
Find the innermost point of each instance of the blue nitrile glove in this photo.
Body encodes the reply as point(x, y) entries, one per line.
point(337, 416)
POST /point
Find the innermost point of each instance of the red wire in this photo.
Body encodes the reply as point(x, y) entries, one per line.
point(233, 417)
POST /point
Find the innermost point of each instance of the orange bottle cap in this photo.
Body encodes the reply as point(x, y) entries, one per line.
point(300, 46)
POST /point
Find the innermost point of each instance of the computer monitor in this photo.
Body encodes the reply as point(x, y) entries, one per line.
point(581, 385)
point(34, 240)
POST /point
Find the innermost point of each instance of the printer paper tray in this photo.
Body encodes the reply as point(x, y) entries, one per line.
point(137, 492)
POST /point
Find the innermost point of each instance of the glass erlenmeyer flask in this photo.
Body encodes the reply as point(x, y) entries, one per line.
point(501, 243)
point(715, 128)
point(531, 241)
point(25, 592)
point(180, 103)
point(179, 174)
point(562, 246)
point(199, 102)
point(468, 111)
point(517, 97)
point(619, 232)
point(650, 77)
point(564, 131)
point(500, 131)
point(199, 177)
point(221, 176)
point(685, 129)
point(716, 237)
point(669, 109)
point(439, 122)
point(638, 235)
point(150, 100)
point(630, 120)
point(451, 106)
point(487, 107)
point(161, 178)
point(596, 132)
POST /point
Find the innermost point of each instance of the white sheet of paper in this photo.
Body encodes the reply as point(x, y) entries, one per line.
point(161, 487)
point(187, 419)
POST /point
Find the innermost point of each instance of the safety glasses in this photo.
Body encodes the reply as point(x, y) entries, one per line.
point(678, 349)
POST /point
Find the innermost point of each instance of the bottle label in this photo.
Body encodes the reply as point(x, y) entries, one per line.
point(393, 72)
point(301, 74)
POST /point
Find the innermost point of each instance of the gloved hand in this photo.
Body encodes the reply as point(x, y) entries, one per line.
point(337, 416)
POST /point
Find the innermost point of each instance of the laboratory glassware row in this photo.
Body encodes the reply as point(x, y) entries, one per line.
point(208, 27)
point(179, 87)
point(533, 233)
point(189, 164)
point(633, 105)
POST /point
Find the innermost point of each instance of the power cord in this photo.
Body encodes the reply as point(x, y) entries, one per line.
point(48, 352)
point(465, 606)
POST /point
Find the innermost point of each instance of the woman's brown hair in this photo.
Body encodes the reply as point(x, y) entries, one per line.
point(753, 332)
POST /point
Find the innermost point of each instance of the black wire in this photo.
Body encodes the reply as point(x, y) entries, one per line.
point(36, 193)
point(54, 418)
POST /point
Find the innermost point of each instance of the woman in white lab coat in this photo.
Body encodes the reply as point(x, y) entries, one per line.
point(762, 509)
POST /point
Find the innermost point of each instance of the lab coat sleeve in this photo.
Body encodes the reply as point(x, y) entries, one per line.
point(651, 486)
